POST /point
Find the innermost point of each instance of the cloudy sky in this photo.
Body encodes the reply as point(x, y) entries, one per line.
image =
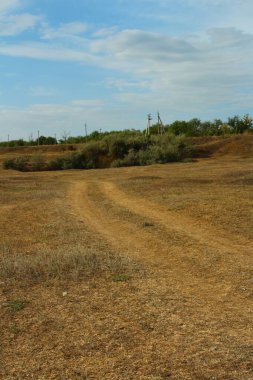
point(109, 63)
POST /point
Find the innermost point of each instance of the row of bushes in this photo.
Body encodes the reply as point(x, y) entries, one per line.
point(114, 151)
point(26, 163)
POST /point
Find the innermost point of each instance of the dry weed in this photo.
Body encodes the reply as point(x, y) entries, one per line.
point(65, 264)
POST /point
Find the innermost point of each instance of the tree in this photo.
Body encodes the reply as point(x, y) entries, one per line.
point(236, 124)
point(43, 140)
point(247, 122)
point(193, 127)
point(178, 127)
point(65, 136)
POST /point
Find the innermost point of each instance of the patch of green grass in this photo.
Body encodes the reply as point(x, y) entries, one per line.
point(17, 305)
point(120, 278)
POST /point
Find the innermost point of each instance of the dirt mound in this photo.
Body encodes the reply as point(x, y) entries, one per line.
point(238, 145)
point(40, 148)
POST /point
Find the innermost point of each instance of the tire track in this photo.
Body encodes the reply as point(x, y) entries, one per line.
point(207, 236)
point(169, 262)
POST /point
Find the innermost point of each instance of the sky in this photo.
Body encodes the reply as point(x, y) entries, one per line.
point(109, 63)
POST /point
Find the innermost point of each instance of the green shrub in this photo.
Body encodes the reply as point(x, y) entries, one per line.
point(156, 149)
point(21, 163)
point(74, 161)
point(114, 150)
point(17, 305)
point(56, 163)
point(18, 163)
point(37, 162)
point(131, 159)
point(117, 146)
point(92, 153)
point(8, 163)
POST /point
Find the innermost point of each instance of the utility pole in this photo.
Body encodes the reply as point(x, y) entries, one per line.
point(30, 138)
point(86, 133)
point(160, 126)
point(38, 138)
point(148, 125)
point(55, 138)
point(8, 140)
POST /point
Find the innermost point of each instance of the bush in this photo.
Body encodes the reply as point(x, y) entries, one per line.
point(92, 153)
point(56, 163)
point(115, 151)
point(116, 146)
point(8, 163)
point(73, 161)
point(38, 162)
point(18, 163)
point(131, 159)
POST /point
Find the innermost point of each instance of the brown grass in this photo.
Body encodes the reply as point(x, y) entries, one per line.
point(75, 265)
point(138, 273)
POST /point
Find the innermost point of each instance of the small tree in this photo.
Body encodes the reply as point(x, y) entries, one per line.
point(65, 136)
point(38, 162)
point(247, 122)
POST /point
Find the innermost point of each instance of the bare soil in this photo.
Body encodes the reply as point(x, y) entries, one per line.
point(182, 307)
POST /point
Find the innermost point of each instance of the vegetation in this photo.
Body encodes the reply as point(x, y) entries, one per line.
point(114, 150)
point(17, 305)
point(61, 265)
point(127, 147)
point(17, 163)
point(193, 127)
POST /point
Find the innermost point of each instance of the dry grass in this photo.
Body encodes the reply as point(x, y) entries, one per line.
point(75, 305)
point(75, 265)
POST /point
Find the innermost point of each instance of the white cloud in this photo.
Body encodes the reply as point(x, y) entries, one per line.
point(186, 73)
point(124, 84)
point(105, 32)
point(222, 57)
point(52, 118)
point(43, 51)
point(137, 44)
point(86, 103)
point(8, 5)
point(12, 23)
point(66, 30)
point(160, 68)
point(229, 37)
point(15, 24)
point(42, 91)
point(183, 75)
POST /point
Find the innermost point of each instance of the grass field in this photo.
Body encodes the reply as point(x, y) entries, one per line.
point(130, 273)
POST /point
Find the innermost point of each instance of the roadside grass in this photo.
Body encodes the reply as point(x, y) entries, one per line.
point(120, 278)
point(74, 264)
point(34, 251)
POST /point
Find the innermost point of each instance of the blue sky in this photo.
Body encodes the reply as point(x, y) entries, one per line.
point(109, 63)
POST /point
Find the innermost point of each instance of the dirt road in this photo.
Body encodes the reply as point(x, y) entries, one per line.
point(166, 240)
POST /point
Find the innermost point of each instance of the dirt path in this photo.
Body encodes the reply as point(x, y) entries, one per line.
point(204, 234)
point(182, 264)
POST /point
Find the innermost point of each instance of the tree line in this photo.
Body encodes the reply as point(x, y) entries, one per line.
point(192, 128)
